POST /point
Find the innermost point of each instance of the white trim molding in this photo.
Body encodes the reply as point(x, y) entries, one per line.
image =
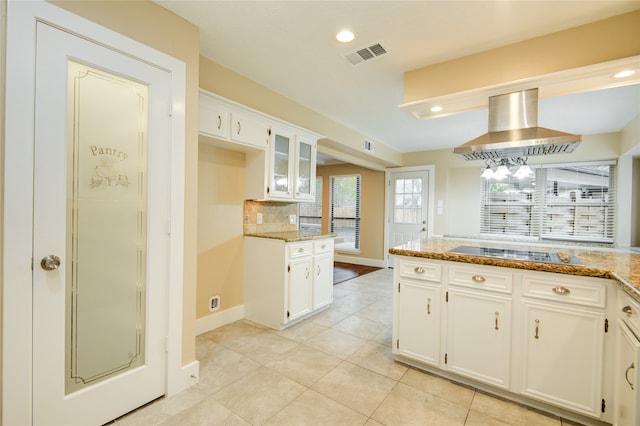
point(213, 321)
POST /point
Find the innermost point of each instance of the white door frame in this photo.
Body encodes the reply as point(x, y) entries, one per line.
point(387, 214)
point(18, 197)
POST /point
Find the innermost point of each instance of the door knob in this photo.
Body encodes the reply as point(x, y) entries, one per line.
point(49, 263)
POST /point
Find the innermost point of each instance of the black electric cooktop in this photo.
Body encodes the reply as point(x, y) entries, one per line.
point(531, 256)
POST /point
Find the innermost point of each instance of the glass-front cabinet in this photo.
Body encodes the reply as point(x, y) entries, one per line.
point(282, 149)
point(305, 168)
point(292, 165)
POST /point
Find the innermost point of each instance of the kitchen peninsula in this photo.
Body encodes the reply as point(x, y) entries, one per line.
point(558, 335)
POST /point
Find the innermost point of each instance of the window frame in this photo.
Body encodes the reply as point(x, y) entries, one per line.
point(357, 217)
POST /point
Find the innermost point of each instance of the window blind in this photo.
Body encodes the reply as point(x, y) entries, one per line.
point(310, 214)
point(345, 211)
point(570, 202)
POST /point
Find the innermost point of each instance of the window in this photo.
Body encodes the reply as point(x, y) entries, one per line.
point(570, 202)
point(344, 218)
point(310, 214)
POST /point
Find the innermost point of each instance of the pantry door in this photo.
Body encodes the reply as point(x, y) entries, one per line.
point(408, 206)
point(100, 241)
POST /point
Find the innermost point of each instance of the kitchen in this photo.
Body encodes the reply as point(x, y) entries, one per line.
point(219, 262)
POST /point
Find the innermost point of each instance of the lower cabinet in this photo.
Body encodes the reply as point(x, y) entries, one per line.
point(286, 282)
point(541, 337)
point(627, 363)
point(479, 336)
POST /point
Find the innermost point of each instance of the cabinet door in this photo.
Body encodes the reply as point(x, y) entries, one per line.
point(249, 130)
point(627, 396)
point(298, 288)
point(563, 350)
point(418, 321)
point(305, 170)
point(322, 280)
point(479, 336)
point(282, 155)
point(213, 119)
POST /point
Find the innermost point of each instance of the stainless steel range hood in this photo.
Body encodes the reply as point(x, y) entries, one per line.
point(514, 131)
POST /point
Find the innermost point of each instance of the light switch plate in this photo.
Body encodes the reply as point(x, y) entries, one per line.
point(259, 218)
point(292, 219)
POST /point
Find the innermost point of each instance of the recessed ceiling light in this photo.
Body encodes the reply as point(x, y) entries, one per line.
point(345, 36)
point(625, 73)
point(436, 108)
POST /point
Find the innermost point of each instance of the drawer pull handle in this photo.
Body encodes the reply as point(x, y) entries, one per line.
point(537, 336)
point(561, 290)
point(419, 270)
point(497, 315)
point(306, 273)
point(300, 250)
point(219, 121)
point(239, 127)
point(478, 278)
point(318, 271)
point(626, 375)
point(627, 310)
point(429, 306)
point(323, 246)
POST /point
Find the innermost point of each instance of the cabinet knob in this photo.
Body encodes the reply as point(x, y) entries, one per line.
point(563, 291)
point(418, 270)
point(478, 278)
point(627, 310)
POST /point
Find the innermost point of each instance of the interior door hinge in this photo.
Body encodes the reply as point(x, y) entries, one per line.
point(267, 189)
point(287, 314)
point(446, 297)
point(445, 358)
point(606, 325)
point(288, 268)
point(397, 343)
point(398, 287)
point(603, 407)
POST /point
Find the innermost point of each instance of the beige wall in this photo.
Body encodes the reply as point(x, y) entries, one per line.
point(635, 205)
point(160, 29)
point(220, 204)
point(594, 43)
point(372, 207)
point(3, 35)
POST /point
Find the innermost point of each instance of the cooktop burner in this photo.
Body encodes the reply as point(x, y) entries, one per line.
point(531, 256)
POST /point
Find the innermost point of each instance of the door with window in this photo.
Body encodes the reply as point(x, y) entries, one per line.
point(408, 206)
point(100, 246)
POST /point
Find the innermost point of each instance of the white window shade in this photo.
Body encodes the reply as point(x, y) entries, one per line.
point(345, 211)
point(570, 202)
point(310, 214)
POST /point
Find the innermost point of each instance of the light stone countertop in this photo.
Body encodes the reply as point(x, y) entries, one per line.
point(292, 236)
point(617, 264)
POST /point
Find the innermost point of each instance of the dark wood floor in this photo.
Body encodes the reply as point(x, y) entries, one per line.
point(346, 271)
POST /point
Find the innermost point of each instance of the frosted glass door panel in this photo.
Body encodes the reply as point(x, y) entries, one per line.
point(106, 226)
point(304, 169)
point(281, 158)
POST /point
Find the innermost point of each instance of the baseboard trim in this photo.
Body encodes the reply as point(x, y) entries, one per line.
point(213, 321)
point(186, 377)
point(360, 261)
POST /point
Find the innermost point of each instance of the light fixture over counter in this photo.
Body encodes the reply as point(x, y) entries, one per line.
point(500, 168)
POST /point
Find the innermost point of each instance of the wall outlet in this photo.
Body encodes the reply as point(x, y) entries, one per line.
point(214, 303)
point(292, 219)
point(259, 218)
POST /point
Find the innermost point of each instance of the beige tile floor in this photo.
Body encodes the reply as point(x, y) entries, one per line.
point(335, 368)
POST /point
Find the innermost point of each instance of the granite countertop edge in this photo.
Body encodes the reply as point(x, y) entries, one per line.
point(631, 288)
point(291, 236)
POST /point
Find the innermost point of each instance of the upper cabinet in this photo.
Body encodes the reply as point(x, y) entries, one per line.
point(280, 157)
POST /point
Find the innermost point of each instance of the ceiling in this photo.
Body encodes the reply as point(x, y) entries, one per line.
point(290, 47)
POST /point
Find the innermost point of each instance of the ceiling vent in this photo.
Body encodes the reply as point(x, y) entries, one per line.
point(365, 54)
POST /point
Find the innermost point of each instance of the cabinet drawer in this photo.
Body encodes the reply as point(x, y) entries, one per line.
point(629, 310)
point(583, 291)
point(323, 246)
point(299, 250)
point(421, 271)
point(482, 278)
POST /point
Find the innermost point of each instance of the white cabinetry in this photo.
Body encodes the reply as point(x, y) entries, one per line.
point(627, 364)
point(228, 121)
point(280, 157)
point(564, 329)
point(417, 306)
point(479, 323)
point(281, 286)
point(539, 337)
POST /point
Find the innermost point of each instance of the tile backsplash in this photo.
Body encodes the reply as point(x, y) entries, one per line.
point(275, 217)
